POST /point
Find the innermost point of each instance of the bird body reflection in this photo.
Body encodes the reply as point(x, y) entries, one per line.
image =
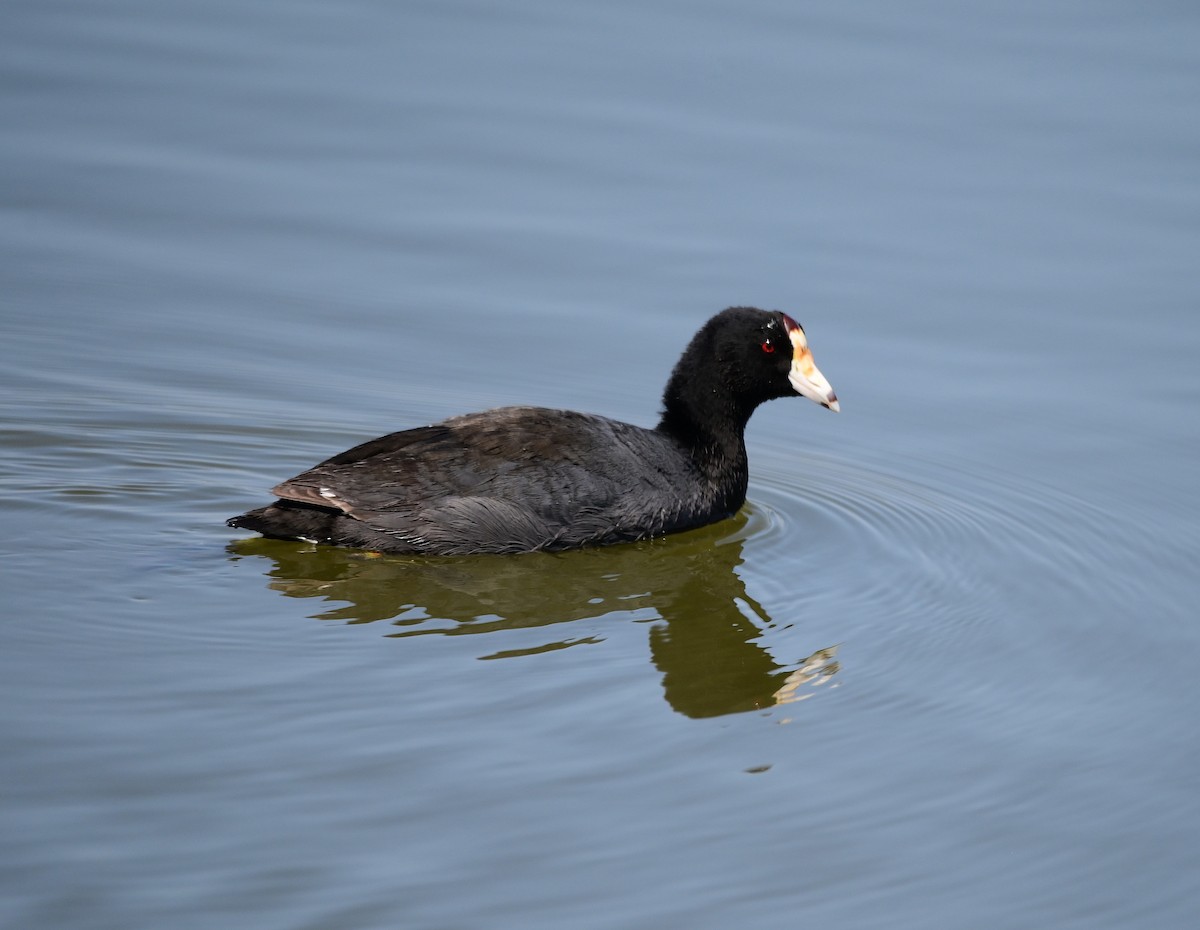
point(705, 642)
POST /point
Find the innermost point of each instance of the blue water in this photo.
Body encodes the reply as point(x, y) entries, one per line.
point(939, 672)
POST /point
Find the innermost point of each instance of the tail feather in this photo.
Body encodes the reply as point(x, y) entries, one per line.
point(285, 520)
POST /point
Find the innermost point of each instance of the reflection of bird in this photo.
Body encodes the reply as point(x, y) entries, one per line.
point(817, 669)
point(706, 641)
point(524, 478)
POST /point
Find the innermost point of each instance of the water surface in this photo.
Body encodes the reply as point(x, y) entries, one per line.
point(940, 670)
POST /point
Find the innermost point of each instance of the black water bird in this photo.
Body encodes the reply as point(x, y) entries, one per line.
point(518, 479)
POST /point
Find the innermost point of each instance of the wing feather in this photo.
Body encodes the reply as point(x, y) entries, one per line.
point(513, 476)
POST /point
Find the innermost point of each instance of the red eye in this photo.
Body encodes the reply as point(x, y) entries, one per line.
point(768, 347)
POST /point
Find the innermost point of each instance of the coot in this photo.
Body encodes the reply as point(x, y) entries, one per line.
point(517, 479)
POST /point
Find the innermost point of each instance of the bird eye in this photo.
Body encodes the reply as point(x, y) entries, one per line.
point(768, 347)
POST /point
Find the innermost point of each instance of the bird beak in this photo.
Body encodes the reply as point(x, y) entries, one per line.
point(805, 377)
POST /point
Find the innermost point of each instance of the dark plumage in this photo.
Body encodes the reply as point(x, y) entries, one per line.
point(517, 479)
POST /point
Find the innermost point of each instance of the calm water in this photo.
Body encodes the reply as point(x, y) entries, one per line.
point(941, 672)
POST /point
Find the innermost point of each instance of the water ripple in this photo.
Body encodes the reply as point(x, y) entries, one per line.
point(915, 565)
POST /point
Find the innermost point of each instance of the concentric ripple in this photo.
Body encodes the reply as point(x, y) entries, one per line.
point(942, 562)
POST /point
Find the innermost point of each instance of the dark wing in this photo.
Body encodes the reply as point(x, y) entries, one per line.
point(512, 479)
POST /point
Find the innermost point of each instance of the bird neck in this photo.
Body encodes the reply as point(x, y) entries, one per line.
point(709, 424)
